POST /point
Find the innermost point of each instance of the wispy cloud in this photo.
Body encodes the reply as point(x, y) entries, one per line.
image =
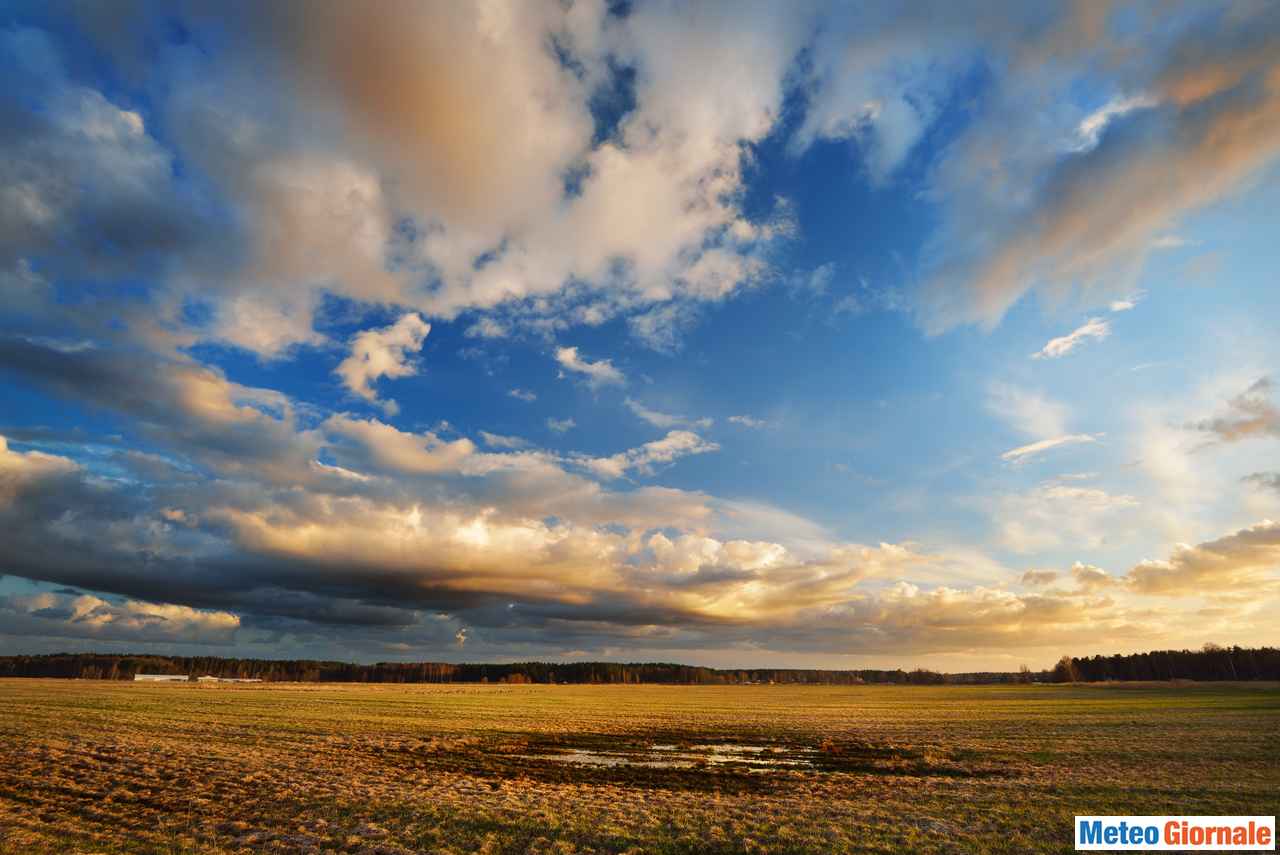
point(561, 425)
point(664, 420)
point(494, 440)
point(673, 446)
point(1128, 303)
point(1057, 348)
point(1023, 453)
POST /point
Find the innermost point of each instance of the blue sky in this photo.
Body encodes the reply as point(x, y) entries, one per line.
point(838, 335)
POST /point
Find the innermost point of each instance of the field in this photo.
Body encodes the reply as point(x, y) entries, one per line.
point(122, 767)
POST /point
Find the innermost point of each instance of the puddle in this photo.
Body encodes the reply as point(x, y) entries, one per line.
point(759, 758)
point(583, 757)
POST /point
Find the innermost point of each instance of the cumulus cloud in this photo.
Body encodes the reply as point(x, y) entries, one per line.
point(597, 374)
point(520, 549)
point(448, 162)
point(383, 353)
point(1245, 560)
point(1091, 578)
point(1093, 328)
point(178, 403)
point(85, 616)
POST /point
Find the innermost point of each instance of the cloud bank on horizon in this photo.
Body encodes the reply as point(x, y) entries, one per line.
point(640, 330)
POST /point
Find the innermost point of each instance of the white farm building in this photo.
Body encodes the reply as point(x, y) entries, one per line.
point(160, 678)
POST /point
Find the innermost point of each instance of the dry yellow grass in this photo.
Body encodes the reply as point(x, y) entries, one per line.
point(122, 767)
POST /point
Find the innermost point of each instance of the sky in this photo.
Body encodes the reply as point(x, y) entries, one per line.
point(739, 334)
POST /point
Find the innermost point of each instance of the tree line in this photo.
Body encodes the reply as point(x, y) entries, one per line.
point(1209, 663)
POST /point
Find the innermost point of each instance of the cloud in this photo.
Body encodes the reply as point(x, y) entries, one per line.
point(1053, 515)
point(1127, 304)
point(494, 440)
point(233, 429)
point(487, 328)
point(813, 283)
point(322, 154)
point(85, 616)
point(1245, 560)
point(1267, 480)
point(560, 425)
point(1060, 347)
point(1171, 242)
point(1060, 218)
point(1092, 126)
point(1038, 577)
point(1023, 453)
point(383, 353)
point(1250, 415)
point(1091, 578)
point(664, 420)
point(318, 167)
point(525, 555)
point(644, 459)
point(423, 453)
point(1027, 411)
point(598, 374)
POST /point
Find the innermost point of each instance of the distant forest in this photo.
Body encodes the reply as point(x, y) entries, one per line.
point(1210, 663)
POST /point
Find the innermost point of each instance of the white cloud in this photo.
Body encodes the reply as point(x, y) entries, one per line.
point(1092, 126)
point(487, 328)
point(1059, 347)
point(664, 420)
point(748, 421)
point(1023, 453)
point(1027, 411)
point(522, 395)
point(494, 440)
point(424, 453)
point(561, 425)
point(1053, 516)
point(643, 460)
point(383, 353)
point(1127, 303)
point(598, 373)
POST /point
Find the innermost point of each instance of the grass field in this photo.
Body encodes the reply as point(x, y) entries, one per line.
point(123, 767)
